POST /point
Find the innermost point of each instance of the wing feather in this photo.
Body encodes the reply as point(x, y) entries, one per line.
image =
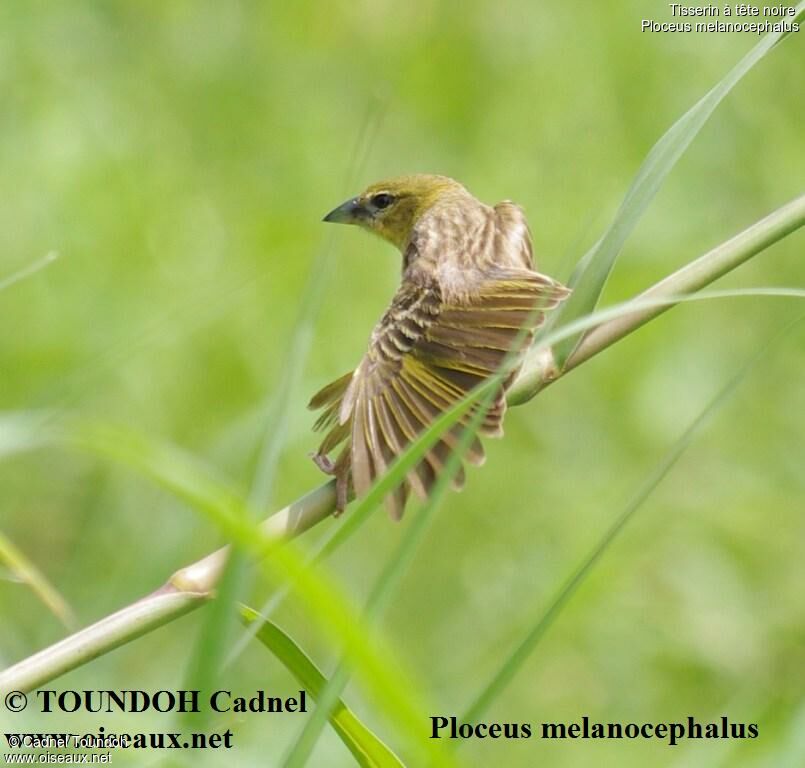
point(430, 349)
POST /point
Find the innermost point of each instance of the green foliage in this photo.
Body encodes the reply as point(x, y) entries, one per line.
point(22, 568)
point(368, 750)
point(514, 662)
point(281, 562)
point(591, 273)
point(179, 158)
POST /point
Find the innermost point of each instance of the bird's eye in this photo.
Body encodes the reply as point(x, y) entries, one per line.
point(382, 200)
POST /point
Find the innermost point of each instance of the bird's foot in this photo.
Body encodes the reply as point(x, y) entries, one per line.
point(324, 463)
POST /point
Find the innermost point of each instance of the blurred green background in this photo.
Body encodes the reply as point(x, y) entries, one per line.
point(179, 158)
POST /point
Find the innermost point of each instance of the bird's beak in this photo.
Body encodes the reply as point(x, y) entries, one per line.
point(350, 212)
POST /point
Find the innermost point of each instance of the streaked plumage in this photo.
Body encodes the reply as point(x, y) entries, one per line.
point(468, 287)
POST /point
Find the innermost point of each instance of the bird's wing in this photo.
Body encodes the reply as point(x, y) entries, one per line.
point(512, 228)
point(424, 356)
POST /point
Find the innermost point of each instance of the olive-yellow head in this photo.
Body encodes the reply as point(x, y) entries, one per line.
point(392, 208)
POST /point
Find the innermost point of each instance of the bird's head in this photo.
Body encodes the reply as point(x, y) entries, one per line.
point(392, 208)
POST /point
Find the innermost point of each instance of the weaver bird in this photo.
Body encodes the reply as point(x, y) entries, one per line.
point(469, 293)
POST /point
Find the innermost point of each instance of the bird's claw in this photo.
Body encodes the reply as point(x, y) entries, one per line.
point(324, 463)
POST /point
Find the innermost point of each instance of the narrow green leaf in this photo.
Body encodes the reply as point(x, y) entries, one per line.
point(512, 665)
point(184, 476)
point(593, 269)
point(388, 580)
point(634, 306)
point(21, 432)
point(360, 512)
point(274, 437)
point(215, 634)
point(31, 269)
point(392, 573)
point(366, 747)
point(214, 638)
point(402, 465)
point(167, 465)
point(29, 574)
point(373, 660)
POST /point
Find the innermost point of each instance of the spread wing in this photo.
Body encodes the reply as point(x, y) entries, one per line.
point(426, 354)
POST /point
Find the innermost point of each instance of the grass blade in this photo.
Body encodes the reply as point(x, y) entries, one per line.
point(515, 661)
point(214, 637)
point(388, 580)
point(360, 512)
point(31, 269)
point(403, 464)
point(394, 570)
point(373, 660)
point(369, 751)
point(19, 433)
point(312, 299)
point(419, 447)
point(23, 569)
point(593, 269)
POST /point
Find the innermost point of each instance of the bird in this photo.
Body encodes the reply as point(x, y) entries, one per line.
point(469, 294)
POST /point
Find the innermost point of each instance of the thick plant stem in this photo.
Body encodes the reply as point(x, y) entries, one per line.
point(186, 590)
point(695, 276)
point(105, 635)
point(288, 523)
point(192, 586)
point(540, 370)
